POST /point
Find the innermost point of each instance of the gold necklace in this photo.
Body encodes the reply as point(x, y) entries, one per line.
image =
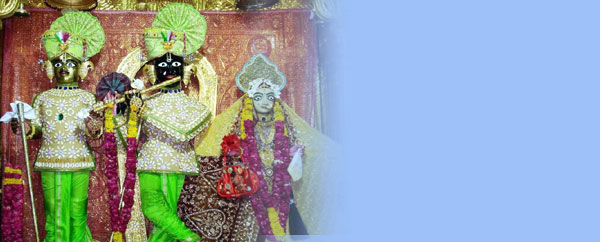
point(262, 127)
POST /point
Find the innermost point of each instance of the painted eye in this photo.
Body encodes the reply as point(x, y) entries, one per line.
point(176, 64)
point(257, 98)
point(271, 98)
point(162, 64)
point(70, 64)
point(57, 65)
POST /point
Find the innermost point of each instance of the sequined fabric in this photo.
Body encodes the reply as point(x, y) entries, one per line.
point(171, 120)
point(214, 217)
point(177, 115)
point(64, 146)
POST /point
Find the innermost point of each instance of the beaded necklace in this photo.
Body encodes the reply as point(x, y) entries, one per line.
point(171, 90)
point(66, 87)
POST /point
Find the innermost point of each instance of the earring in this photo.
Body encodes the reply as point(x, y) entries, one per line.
point(47, 66)
point(150, 73)
point(84, 69)
point(187, 73)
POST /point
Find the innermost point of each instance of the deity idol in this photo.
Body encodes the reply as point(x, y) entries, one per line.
point(62, 121)
point(170, 120)
point(287, 155)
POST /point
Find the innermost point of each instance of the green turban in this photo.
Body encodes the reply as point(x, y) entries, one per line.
point(178, 29)
point(78, 34)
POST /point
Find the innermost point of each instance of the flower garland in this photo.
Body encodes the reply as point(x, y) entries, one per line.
point(281, 190)
point(120, 216)
point(12, 204)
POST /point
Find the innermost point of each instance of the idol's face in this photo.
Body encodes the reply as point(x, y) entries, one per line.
point(263, 100)
point(168, 67)
point(66, 69)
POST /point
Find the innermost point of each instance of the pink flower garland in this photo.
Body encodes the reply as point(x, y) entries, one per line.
point(282, 181)
point(12, 208)
point(129, 186)
point(120, 219)
point(280, 196)
point(112, 175)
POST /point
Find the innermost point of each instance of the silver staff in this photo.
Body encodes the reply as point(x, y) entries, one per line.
point(20, 109)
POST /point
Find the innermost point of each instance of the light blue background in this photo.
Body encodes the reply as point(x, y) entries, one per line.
point(470, 121)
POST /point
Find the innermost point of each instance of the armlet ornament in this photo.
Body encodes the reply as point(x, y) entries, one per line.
point(34, 131)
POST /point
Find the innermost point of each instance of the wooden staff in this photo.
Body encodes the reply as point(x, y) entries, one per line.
point(21, 111)
point(121, 98)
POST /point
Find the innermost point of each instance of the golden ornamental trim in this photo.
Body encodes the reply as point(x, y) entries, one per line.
point(7, 9)
point(155, 5)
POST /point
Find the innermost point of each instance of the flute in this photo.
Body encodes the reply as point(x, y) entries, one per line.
point(99, 106)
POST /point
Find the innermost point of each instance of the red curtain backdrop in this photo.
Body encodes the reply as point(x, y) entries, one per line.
point(287, 37)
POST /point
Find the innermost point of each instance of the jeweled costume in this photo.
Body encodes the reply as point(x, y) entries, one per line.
point(267, 150)
point(64, 158)
point(171, 120)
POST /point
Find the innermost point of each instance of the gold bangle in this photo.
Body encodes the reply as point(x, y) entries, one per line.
point(31, 133)
point(89, 134)
point(95, 126)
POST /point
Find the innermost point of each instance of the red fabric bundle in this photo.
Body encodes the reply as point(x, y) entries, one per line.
point(236, 180)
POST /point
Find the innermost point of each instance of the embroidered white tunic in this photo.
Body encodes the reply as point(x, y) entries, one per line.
point(64, 147)
point(170, 122)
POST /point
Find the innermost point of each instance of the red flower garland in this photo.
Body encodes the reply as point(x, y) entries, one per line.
point(129, 183)
point(12, 206)
point(112, 175)
point(120, 218)
point(280, 196)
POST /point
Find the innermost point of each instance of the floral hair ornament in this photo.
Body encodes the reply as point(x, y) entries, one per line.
point(62, 37)
point(261, 82)
point(260, 70)
point(137, 84)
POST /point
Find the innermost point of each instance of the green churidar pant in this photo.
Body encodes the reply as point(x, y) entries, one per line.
point(159, 193)
point(65, 206)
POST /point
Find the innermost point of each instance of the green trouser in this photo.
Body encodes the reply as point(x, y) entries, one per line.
point(65, 205)
point(159, 193)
